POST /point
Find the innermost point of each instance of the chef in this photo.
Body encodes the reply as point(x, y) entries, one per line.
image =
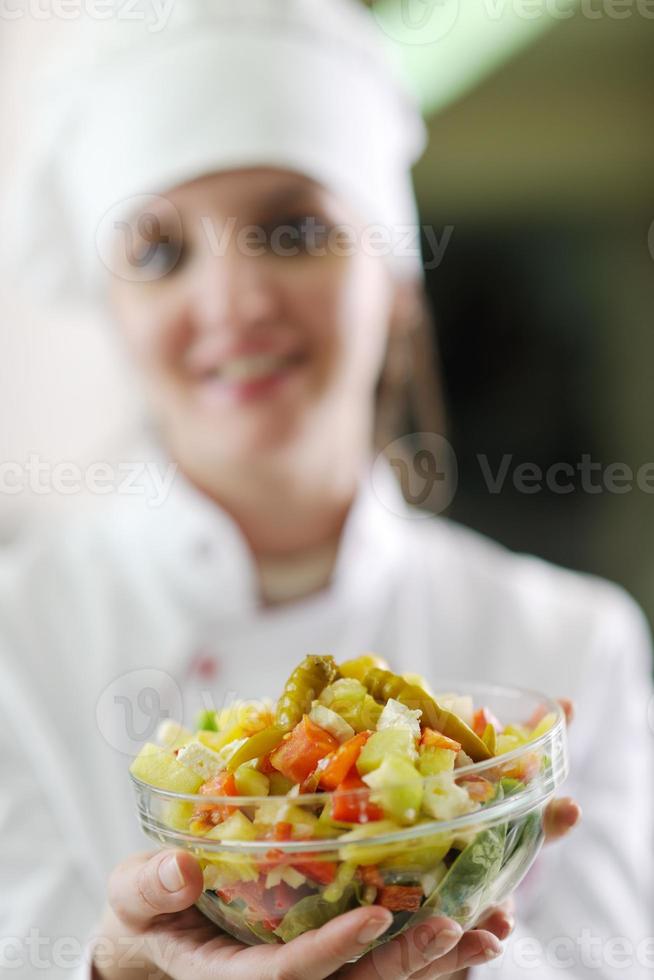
point(211, 184)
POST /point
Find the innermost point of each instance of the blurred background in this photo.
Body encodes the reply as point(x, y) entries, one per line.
point(541, 159)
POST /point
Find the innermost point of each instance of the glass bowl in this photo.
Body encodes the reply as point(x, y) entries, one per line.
point(299, 868)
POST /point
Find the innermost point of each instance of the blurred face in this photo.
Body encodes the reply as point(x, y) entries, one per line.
point(255, 329)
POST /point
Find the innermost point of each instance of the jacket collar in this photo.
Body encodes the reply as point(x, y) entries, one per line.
point(203, 556)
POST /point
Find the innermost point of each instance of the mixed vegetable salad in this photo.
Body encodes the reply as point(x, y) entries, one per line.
point(352, 756)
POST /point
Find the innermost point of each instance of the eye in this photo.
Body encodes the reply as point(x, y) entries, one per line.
point(149, 250)
point(303, 234)
point(166, 258)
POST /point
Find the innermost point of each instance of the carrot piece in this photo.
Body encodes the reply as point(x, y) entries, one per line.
point(479, 789)
point(300, 752)
point(335, 767)
point(437, 740)
point(400, 898)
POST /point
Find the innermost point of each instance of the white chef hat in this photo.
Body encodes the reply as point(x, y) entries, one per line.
point(304, 85)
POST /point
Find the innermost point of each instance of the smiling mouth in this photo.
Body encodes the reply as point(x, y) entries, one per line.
point(250, 368)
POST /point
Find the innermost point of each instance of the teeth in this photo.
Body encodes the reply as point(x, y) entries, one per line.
point(251, 368)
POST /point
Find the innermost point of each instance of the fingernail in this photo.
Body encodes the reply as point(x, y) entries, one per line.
point(373, 929)
point(490, 952)
point(170, 874)
point(442, 941)
point(565, 811)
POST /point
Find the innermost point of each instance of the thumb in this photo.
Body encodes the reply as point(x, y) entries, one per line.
point(148, 885)
point(561, 815)
point(568, 709)
point(320, 953)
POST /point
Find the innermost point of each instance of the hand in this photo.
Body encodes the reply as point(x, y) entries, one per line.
point(559, 818)
point(561, 814)
point(151, 930)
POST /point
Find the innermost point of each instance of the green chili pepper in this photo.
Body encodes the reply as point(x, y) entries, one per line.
point(360, 666)
point(382, 684)
point(207, 722)
point(256, 747)
point(489, 738)
point(304, 685)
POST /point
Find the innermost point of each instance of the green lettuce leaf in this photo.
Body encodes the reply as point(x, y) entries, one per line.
point(522, 844)
point(462, 891)
point(313, 912)
point(510, 786)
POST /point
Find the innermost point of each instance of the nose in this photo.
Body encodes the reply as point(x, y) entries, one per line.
point(234, 291)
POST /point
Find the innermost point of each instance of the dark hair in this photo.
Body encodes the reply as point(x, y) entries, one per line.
point(411, 406)
point(410, 392)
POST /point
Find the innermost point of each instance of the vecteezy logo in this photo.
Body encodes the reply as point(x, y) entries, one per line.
point(132, 706)
point(425, 466)
point(406, 956)
point(148, 233)
point(140, 239)
point(417, 21)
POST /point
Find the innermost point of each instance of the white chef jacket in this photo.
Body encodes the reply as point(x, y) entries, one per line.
point(139, 612)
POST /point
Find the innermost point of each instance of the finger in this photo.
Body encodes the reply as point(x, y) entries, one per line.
point(478, 946)
point(420, 948)
point(568, 709)
point(148, 885)
point(320, 953)
point(474, 948)
point(499, 920)
point(560, 817)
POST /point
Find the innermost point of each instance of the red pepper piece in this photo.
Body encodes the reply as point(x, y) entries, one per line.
point(351, 802)
point(400, 898)
point(370, 876)
point(214, 813)
point(323, 872)
point(483, 717)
